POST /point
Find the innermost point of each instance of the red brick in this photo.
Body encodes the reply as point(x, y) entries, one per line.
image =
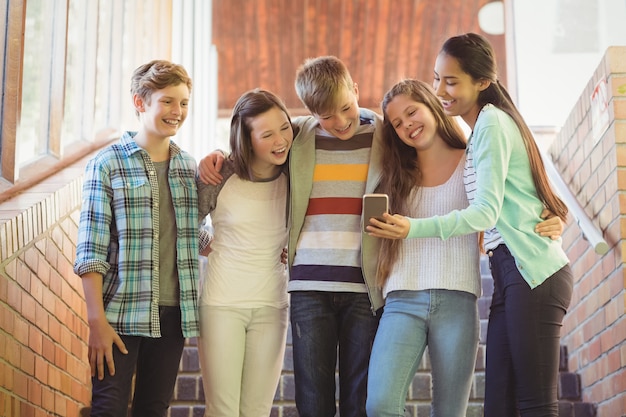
point(4, 289)
point(60, 311)
point(29, 308)
point(613, 366)
point(36, 289)
point(48, 349)
point(54, 329)
point(60, 357)
point(52, 254)
point(54, 378)
point(72, 409)
point(41, 369)
point(47, 399)
point(619, 107)
point(620, 131)
point(31, 259)
point(621, 178)
point(611, 312)
point(43, 271)
point(27, 361)
point(41, 318)
point(66, 338)
point(20, 385)
point(14, 295)
point(56, 281)
point(20, 330)
point(60, 404)
point(49, 301)
point(66, 383)
point(34, 392)
point(23, 275)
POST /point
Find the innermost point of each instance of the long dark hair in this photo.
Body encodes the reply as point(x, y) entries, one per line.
point(402, 172)
point(251, 104)
point(476, 57)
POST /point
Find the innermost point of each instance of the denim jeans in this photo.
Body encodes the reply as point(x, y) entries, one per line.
point(445, 321)
point(523, 340)
point(321, 322)
point(156, 361)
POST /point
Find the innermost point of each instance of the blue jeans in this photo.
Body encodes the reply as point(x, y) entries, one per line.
point(523, 340)
point(321, 322)
point(155, 361)
point(445, 321)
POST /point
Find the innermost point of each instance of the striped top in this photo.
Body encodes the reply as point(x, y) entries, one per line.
point(492, 237)
point(433, 263)
point(119, 229)
point(329, 246)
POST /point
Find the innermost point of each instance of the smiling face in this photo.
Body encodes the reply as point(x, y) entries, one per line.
point(413, 122)
point(164, 112)
point(342, 122)
point(457, 90)
point(271, 135)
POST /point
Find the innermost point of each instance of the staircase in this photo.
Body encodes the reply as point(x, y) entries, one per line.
point(189, 399)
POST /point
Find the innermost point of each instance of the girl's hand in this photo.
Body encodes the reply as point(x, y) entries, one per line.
point(551, 227)
point(209, 168)
point(393, 227)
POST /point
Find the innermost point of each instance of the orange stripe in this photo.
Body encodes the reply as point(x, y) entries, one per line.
point(340, 172)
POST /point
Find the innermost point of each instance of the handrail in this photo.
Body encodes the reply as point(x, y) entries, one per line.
point(590, 232)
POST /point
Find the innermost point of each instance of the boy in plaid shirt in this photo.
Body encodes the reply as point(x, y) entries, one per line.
point(137, 251)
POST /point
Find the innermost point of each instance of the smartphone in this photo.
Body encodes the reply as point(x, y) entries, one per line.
point(374, 205)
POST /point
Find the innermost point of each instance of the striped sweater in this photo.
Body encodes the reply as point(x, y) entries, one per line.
point(327, 251)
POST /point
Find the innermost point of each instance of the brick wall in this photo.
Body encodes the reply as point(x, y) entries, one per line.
point(594, 166)
point(43, 333)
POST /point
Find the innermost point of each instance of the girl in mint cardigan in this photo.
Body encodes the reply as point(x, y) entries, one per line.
point(508, 190)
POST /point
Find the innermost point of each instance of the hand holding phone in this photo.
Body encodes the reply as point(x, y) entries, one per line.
point(374, 205)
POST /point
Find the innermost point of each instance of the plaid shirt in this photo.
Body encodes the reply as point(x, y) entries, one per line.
point(119, 221)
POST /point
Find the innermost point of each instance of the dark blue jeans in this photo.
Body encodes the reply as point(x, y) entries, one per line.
point(156, 362)
point(523, 340)
point(321, 322)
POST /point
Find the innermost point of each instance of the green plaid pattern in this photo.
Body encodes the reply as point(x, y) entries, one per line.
point(119, 229)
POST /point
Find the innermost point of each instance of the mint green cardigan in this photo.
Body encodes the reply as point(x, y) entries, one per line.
point(505, 197)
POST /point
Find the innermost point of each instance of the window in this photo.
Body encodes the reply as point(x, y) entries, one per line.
point(65, 82)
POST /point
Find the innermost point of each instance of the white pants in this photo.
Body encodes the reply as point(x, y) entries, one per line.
point(241, 355)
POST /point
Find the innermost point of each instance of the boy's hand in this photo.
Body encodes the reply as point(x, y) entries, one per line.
point(209, 168)
point(394, 227)
point(207, 250)
point(101, 340)
point(283, 256)
point(552, 226)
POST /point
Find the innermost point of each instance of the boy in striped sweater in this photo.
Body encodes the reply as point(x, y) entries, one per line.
point(334, 300)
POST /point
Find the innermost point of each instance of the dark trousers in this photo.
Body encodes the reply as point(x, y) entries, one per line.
point(155, 361)
point(321, 322)
point(523, 340)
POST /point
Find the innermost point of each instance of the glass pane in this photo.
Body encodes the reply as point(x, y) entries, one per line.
point(75, 74)
point(103, 65)
point(32, 133)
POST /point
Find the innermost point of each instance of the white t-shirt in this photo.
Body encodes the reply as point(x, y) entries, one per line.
point(244, 267)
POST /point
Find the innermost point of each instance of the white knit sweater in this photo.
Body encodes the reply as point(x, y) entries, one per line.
point(432, 263)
